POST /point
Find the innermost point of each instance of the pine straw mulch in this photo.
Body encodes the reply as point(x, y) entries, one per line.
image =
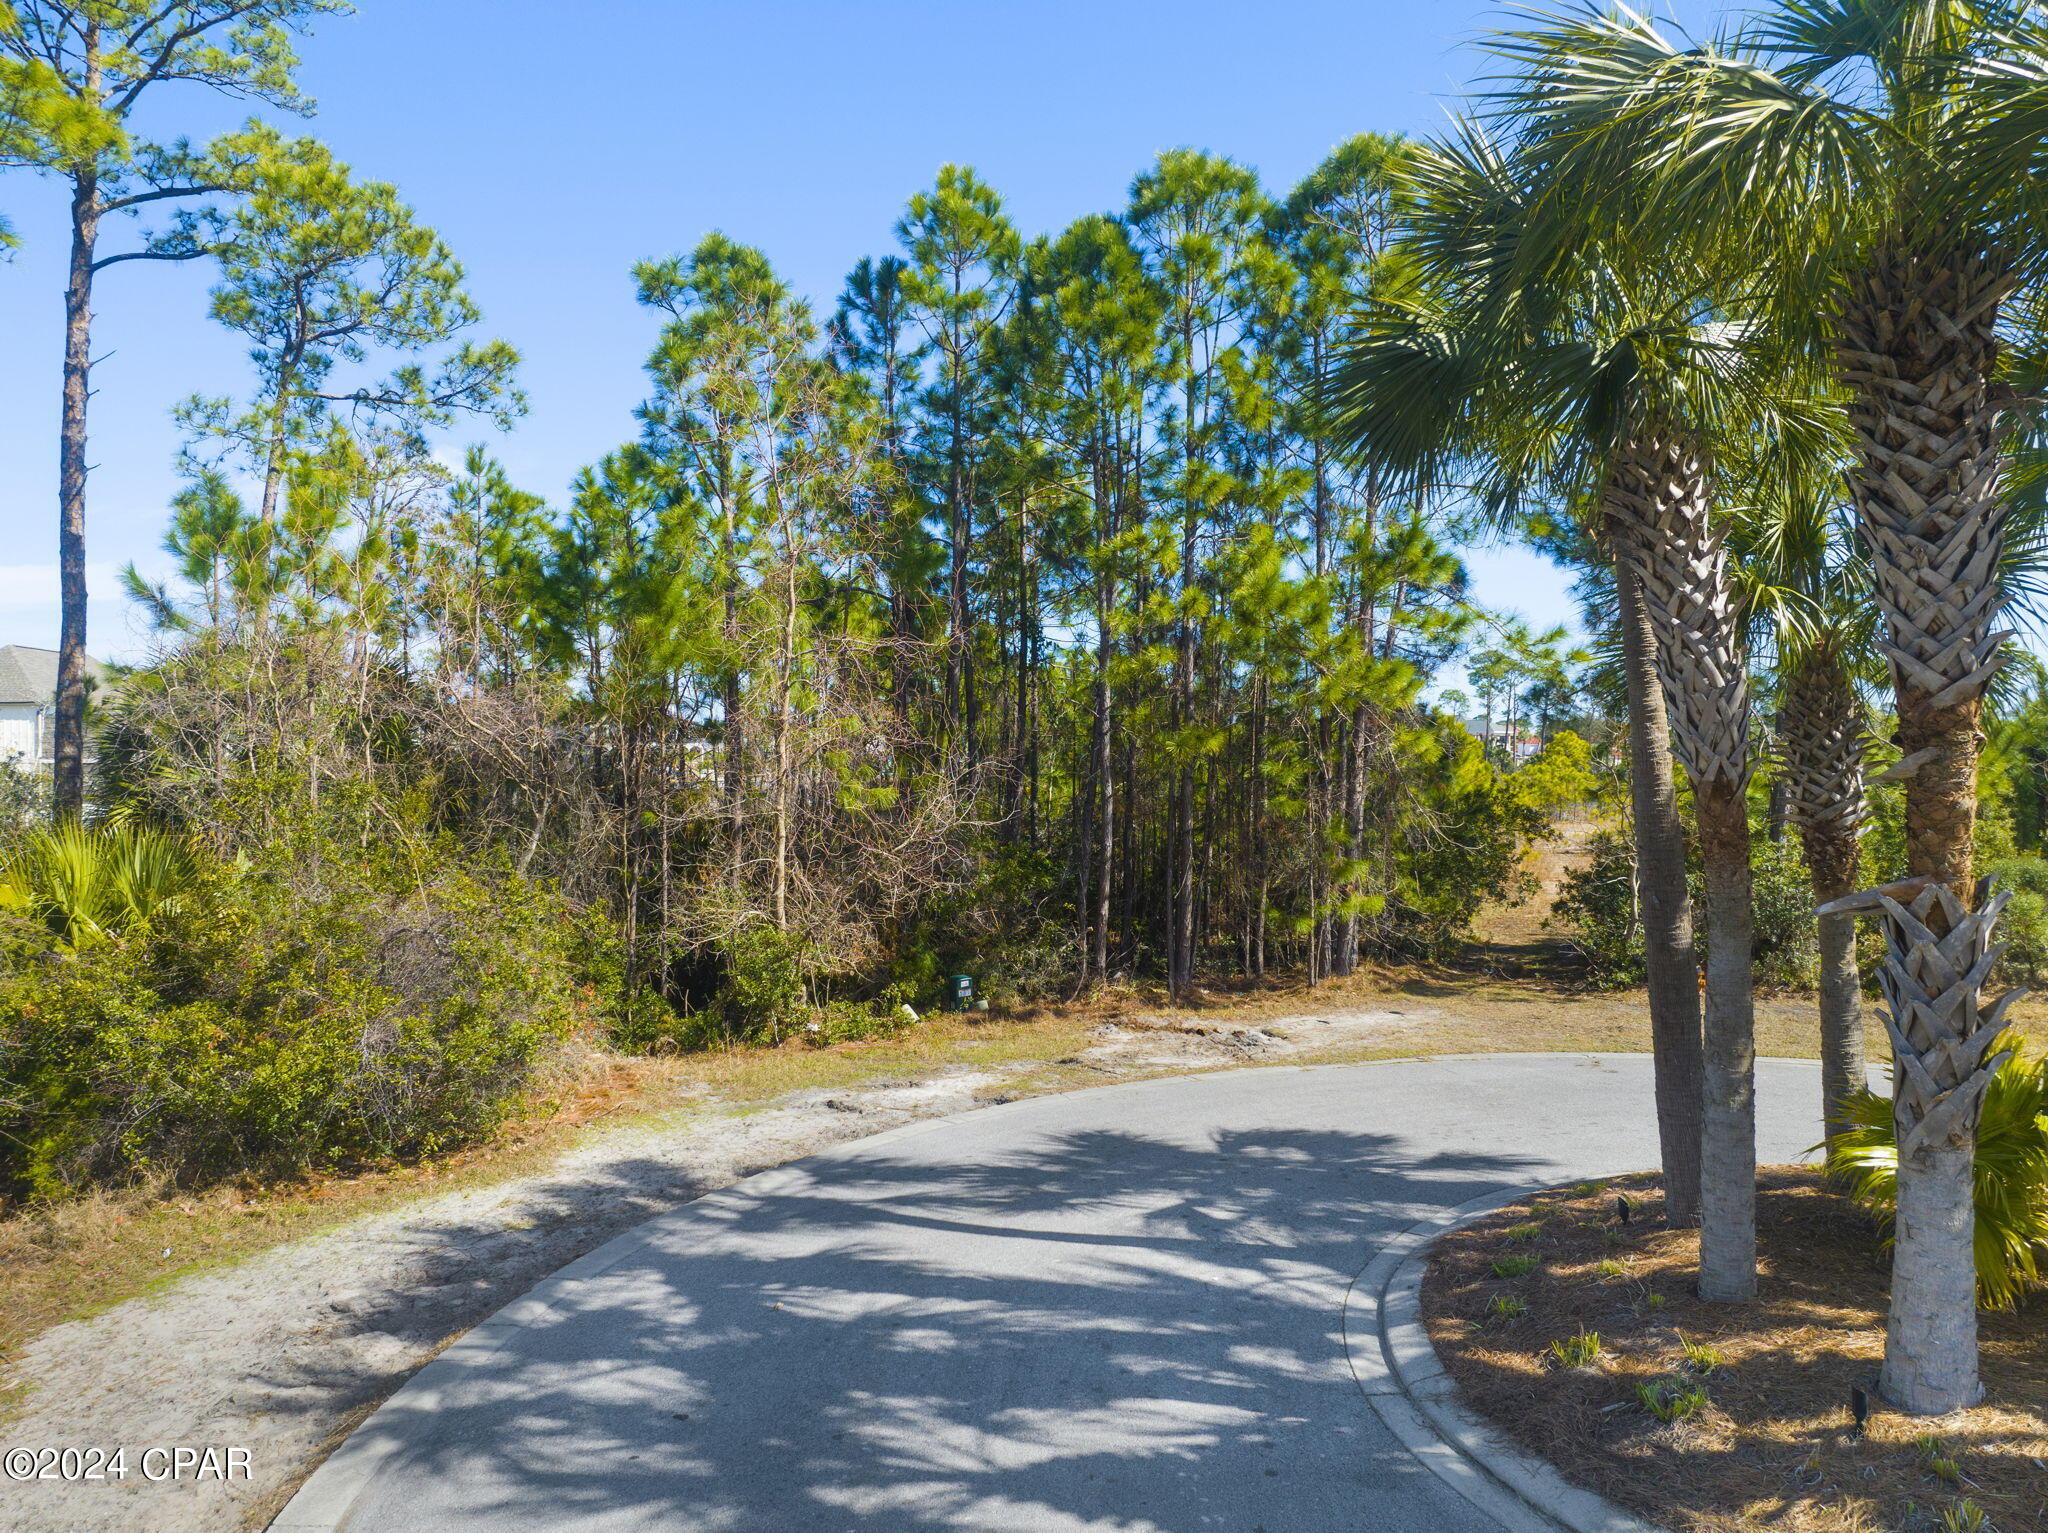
point(1775, 1447)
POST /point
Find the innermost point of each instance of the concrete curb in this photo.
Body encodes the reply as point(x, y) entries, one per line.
point(1402, 1377)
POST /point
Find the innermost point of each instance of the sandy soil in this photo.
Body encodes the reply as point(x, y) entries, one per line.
point(282, 1354)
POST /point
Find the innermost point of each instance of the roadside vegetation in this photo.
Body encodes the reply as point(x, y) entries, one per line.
point(1073, 616)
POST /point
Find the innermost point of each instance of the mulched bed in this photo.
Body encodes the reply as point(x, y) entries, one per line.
point(1773, 1443)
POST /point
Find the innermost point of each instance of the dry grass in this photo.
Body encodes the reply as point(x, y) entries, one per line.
point(1775, 1448)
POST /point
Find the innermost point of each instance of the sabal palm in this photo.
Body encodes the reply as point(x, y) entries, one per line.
point(1878, 161)
point(1609, 379)
point(1805, 583)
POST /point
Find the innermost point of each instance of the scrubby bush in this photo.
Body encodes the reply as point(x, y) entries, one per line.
point(1596, 911)
point(1786, 941)
point(2024, 927)
point(1467, 854)
point(24, 800)
point(322, 1007)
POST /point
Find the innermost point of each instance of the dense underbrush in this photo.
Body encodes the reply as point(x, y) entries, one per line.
point(312, 1007)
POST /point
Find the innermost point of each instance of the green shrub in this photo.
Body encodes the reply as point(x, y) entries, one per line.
point(1786, 943)
point(307, 1013)
point(2011, 1172)
point(853, 1021)
point(2023, 929)
point(763, 999)
point(1595, 911)
point(24, 800)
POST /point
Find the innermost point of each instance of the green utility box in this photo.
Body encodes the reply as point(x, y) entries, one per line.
point(960, 992)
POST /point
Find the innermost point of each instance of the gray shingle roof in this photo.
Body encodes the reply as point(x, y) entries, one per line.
point(30, 675)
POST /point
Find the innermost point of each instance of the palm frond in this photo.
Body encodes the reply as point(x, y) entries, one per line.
point(2011, 1172)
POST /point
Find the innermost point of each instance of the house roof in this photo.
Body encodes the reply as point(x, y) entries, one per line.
point(30, 675)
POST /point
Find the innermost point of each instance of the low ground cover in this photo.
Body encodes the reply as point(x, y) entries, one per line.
point(1711, 1418)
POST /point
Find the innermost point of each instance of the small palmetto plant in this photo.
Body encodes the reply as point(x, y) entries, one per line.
point(1964, 1517)
point(1673, 1401)
point(2011, 1172)
point(1935, 1459)
point(1699, 1357)
point(91, 885)
point(1580, 1351)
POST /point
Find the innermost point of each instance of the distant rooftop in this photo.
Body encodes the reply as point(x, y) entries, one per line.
point(30, 675)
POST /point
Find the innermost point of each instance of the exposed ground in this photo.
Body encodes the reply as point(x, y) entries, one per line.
point(1773, 1444)
point(273, 1318)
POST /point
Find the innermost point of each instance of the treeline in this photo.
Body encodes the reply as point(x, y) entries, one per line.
point(1019, 617)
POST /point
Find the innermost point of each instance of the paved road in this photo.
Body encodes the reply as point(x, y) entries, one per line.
point(1118, 1311)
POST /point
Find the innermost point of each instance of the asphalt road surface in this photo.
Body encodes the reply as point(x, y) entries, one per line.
point(1118, 1310)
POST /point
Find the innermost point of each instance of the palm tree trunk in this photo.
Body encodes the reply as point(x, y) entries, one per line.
point(1659, 490)
point(1728, 1118)
point(1672, 965)
point(1918, 345)
point(1820, 730)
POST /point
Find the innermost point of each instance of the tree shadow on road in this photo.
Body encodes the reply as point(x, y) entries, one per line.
point(1103, 1329)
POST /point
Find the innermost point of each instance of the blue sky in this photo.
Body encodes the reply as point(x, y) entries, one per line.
point(555, 145)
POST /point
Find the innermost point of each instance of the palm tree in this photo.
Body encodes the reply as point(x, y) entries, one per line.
point(1804, 584)
point(1879, 161)
point(1420, 392)
point(1607, 380)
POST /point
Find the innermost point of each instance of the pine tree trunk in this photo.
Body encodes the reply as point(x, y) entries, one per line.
point(1672, 964)
point(1918, 345)
point(1659, 494)
point(68, 782)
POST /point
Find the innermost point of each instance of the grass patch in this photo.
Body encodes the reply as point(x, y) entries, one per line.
point(1710, 1418)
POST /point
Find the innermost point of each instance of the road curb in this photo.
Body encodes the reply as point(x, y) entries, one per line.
point(1403, 1379)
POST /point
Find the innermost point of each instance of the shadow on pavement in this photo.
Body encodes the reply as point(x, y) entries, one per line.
point(1100, 1329)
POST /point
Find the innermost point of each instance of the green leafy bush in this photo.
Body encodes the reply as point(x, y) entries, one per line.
point(1786, 942)
point(1472, 853)
point(317, 1010)
point(2011, 1172)
point(24, 800)
point(1595, 911)
point(2023, 929)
